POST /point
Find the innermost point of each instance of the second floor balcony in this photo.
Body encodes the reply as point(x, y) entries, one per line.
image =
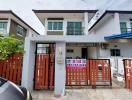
point(75, 31)
point(59, 27)
point(126, 30)
point(126, 26)
point(69, 31)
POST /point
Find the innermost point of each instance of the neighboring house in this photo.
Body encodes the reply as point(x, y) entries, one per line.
point(115, 27)
point(76, 38)
point(11, 24)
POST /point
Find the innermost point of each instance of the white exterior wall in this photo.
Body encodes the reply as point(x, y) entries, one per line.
point(125, 50)
point(76, 52)
point(92, 52)
point(108, 27)
point(31, 33)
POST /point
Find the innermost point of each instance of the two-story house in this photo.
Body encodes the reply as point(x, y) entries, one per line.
point(71, 34)
point(12, 24)
point(75, 25)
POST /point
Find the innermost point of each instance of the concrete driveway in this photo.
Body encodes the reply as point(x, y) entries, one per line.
point(117, 92)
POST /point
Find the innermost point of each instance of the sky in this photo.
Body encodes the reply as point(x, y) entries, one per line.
point(23, 8)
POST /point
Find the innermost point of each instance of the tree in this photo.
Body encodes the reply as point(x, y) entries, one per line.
point(9, 46)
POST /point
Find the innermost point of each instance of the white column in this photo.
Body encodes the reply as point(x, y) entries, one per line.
point(8, 26)
point(28, 64)
point(86, 23)
point(117, 22)
point(60, 72)
point(64, 27)
point(46, 26)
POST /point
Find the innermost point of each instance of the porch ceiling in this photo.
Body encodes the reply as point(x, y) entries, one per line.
point(85, 44)
point(67, 39)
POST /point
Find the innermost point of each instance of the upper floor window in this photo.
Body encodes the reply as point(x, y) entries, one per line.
point(131, 25)
point(115, 52)
point(3, 25)
point(74, 28)
point(19, 30)
point(55, 25)
point(123, 27)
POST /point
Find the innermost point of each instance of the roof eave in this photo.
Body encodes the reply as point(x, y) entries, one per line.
point(11, 12)
point(111, 11)
point(64, 11)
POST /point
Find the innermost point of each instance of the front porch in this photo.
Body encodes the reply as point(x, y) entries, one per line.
point(65, 48)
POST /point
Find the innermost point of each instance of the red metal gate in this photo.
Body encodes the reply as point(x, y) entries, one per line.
point(96, 72)
point(100, 72)
point(44, 69)
point(76, 76)
point(128, 73)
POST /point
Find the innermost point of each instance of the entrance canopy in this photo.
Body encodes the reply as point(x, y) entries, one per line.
point(118, 36)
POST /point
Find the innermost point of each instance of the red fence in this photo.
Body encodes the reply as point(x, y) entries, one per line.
point(11, 69)
point(128, 73)
point(44, 71)
point(41, 75)
point(95, 72)
point(76, 76)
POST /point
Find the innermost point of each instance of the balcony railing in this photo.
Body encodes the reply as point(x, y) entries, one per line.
point(126, 30)
point(75, 31)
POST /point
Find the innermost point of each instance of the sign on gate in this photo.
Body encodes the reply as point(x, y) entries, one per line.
point(76, 72)
point(76, 62)
point(128, 73)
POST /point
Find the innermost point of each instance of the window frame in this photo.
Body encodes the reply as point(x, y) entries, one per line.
point(123, 27)
point(131, 25)
point(70, 50)
point(4, 30)
point(115, 52)
point(22, 30)
point(74, 28)
point(4, 21)
point(52, 27)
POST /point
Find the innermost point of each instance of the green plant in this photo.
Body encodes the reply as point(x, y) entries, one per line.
point(9, 46)
point(1, 34)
